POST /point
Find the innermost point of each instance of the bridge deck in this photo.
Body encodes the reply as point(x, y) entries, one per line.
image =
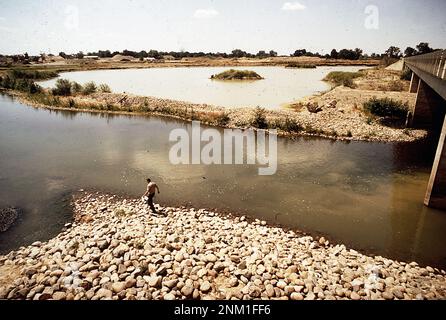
point(431, 68)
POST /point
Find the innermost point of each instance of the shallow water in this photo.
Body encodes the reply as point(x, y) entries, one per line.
point(280, 86)
point(366, 195)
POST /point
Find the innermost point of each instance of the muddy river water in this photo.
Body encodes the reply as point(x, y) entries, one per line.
point(366, 195)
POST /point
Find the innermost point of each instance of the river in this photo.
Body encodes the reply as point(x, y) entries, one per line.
point(366, 195)
point(279, 87)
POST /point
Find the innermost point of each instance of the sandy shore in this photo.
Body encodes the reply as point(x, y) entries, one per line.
point(115, 250)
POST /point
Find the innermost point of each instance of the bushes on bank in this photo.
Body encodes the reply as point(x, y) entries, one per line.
point(406, 75)
point(259, 119)
point(288, 125)
point(23, 85)
point(23, 80)
point(89, 88)
point(76, 88)
point(387, 107)
point(31, 74)
point(66, 88)
point(63, 88)
point(28, 86)
point(104, 88)
point(71, 103)
point(343, 78)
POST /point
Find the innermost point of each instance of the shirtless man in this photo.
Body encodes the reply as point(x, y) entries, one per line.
point(150, 193)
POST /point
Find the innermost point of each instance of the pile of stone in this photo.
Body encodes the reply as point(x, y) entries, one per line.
point(116, 250)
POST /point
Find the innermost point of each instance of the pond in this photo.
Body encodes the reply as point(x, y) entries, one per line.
point(279, 86)
point(366, 195)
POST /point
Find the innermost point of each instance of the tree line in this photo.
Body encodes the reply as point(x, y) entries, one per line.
point(347, 54)
point(422, 48)
point(237, 53)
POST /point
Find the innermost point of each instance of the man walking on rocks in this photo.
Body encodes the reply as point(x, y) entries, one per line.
point(150, 193)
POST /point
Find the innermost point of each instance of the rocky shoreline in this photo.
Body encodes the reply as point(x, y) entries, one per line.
point(115, 250)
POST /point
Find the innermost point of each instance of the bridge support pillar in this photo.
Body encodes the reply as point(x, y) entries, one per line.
point(428, 112)
point(436, 190)
point(414, 83)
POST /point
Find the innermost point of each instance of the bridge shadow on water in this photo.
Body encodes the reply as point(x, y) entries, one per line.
point(407, 226)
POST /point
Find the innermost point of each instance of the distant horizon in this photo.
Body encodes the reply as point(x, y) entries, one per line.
point(201, 51)
point(219, 26)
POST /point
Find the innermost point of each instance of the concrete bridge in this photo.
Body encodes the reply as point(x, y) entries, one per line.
point(429, 82)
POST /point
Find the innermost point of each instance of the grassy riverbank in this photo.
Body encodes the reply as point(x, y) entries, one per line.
point(115, 250)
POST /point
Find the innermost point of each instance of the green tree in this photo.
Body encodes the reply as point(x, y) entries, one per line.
point(154, 54)
point(237, 53)
point(409, 52)
point(261, 54)
point(300, 53)
point(393, 52)
point(349, 54)
point(423, 48)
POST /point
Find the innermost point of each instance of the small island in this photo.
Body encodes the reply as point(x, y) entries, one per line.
point(294, 65)
point(237, 75)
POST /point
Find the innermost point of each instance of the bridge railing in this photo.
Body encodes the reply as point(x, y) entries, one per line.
point(433, 63)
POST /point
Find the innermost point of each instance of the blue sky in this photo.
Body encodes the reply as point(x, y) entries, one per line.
point(219, 25)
